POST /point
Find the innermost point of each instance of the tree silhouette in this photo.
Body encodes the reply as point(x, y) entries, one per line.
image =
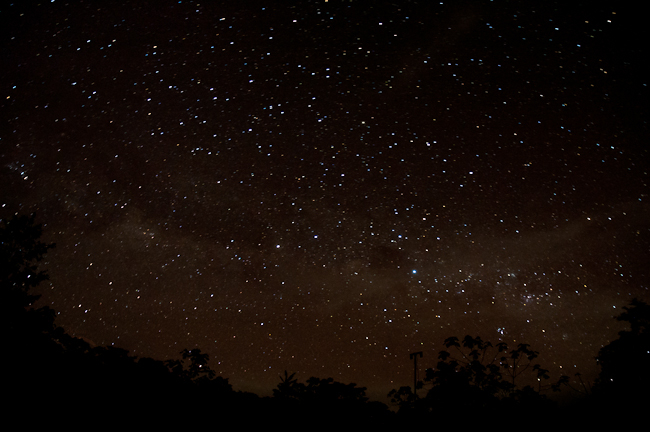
point(326, 400)
point(199, 384)
point(318, 391)
point(327, 391)
point(625, 362)
point(53, 372)
point(289, 388)
point(402, 397)
point(475, 377)
point(193, 366)
point(28, 333)
point(21, 251)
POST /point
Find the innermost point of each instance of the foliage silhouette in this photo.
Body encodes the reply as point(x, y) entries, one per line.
point(318, 390)
point(474, 376)
point(621, 387)
point(21, 251)
point(288, 388)
point(30, 335)
point(53, 372)
point(56, 373)
point(193, 367)
point(326, 398)
point(625, 362)
point(403, 397)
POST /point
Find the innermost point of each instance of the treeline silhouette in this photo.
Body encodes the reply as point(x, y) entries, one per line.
point(50, 374)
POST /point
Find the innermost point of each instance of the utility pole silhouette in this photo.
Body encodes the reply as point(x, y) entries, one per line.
point(414, 357)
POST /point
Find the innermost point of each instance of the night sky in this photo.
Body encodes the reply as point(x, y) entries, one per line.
point(326, 187)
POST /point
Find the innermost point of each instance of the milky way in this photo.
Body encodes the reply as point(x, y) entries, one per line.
point(330, 186)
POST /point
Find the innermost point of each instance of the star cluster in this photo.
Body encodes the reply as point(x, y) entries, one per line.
point(327, 186)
